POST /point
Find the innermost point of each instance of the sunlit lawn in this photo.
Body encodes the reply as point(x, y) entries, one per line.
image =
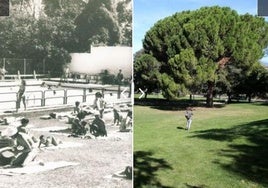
point(226, 147)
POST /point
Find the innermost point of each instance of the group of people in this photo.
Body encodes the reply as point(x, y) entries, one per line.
point(120, 121)
point(78, 119)
point(97, 127)
point(22, 145)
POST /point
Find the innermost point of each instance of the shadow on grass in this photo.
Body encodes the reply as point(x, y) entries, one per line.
point(249, 160)
point(163, 104)
point(181, 128)
point(146, 167)
point(194, 186)
point(66, 131)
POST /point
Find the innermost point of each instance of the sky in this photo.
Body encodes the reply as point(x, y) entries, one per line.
point(148, 12)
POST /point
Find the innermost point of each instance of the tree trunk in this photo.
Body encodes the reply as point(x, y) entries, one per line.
point(191, 97)
point(249, 98)
point(229, 97)
point(209, 101)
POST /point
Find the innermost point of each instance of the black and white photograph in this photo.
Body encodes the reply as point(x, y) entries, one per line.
point(66, 94)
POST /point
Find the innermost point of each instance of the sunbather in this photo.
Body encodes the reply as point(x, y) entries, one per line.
point(48, 141)
point(79, 127)
point(23, 148)
point(97, 127)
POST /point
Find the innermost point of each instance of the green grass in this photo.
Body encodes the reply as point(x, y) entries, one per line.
point(226, 147)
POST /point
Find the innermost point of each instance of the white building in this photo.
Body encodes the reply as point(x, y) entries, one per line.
point(111, 58)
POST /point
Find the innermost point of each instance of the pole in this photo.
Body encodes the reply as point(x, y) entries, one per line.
point(84, 95)
point(18, 74)
point(34, 74)
point(24, 66)
point(44, 66)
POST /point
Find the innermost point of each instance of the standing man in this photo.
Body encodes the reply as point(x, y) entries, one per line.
point(21, 95)
point(99, 103)
point(188, 116)
point(2, 73)
point(119, 79)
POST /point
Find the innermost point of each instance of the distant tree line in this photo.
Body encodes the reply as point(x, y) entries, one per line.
point(212, 50)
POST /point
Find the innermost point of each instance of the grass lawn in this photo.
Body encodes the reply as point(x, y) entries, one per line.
point(226, 147)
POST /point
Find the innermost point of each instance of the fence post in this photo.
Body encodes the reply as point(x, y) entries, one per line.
point(84, 95)
point(65, 97)
point(24, 66)
point(102, 92)
point(119, 91)
point(18, 74)
point(34, 74)
point(43, 100)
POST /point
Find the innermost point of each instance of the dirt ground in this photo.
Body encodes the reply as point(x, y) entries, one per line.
point(98, 159)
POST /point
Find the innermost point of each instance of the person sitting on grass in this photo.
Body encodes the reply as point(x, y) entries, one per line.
point(127, 173)
point(22, 150)
point(97, 127)
point(77, 107)
point(126, 122)
point(23, 128)
point(48, 141)
point(79, 127)
point(117, 116)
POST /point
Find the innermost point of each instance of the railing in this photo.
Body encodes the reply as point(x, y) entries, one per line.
point(15, 76)
point(21, 76)
point(41, 98)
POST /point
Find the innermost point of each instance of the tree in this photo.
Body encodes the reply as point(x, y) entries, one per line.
point(254, 84)
point(104, 23)
point(49, 37)
point(194, 46)
point(107, 78)
point(146, 72)
point(51, 30)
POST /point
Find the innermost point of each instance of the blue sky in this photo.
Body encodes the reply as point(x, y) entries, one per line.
point(148, 12)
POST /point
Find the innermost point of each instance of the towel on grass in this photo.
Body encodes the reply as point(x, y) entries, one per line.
point(36, 168)
point(63, 145)
point(52, 128)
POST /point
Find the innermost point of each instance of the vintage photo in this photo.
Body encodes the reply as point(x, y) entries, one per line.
point(65, 94)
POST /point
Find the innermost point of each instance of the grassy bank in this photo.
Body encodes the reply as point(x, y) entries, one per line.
point(226, 147)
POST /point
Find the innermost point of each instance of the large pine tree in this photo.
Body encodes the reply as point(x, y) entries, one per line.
point(193, 46)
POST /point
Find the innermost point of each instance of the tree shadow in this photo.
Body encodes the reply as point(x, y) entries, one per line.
point(249, 160)
point(146, 167)
point(174, 105)
point(265, 103)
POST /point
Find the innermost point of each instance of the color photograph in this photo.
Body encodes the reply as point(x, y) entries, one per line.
point(200, 107)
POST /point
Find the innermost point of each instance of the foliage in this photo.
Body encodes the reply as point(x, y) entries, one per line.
point(104, 23)
point(254, 84)
point(50, 33)
point(146, 69)
point(195, 46)
point(107, 77)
